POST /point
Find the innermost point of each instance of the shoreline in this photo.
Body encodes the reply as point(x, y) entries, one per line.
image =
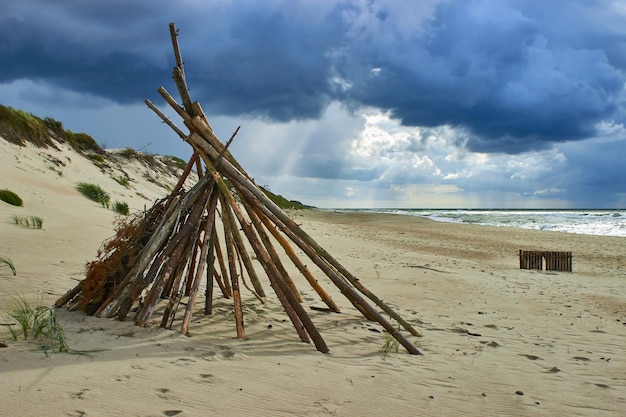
point(590, 224)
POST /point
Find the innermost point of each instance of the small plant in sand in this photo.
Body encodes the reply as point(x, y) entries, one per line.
point(174, 161)
point(95, 193)
point(37, 323)
point(10, 197)
point(35, 222)
point(6, 262)
point(55, 170)
point(390, 345)
point(96, 157)
point(121, 207)
point(123, 181)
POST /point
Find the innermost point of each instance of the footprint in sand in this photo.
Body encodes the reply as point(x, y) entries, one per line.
point(166, 394)
point(183, 361)
point(205, 379)
point(80, 395)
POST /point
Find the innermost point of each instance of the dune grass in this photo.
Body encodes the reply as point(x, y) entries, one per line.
point(36, 323)
point(4, 261)
point(35, 222)
point(10, 197)
point(390, 345)
point(121, 207)
point(123, 181)
point(94, 193)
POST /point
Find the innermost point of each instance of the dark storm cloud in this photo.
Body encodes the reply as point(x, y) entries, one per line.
point(516, 75)
point(513, 77)
point(597, 176)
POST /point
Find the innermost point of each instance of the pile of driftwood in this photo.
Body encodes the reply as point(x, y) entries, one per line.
point(166, 252)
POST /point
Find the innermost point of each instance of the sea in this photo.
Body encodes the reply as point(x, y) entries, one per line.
point(587, 222)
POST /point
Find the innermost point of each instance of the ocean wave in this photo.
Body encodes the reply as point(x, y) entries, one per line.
point(588, 222)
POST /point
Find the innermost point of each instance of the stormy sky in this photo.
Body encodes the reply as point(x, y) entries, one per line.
point(373, 103)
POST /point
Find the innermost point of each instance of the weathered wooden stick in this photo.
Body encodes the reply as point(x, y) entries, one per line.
point(199, 169)
point(185, 232)
point(175, 106)
point(243, 278)
point(69, 295)
point(174, 36)
point(174, 292)
point(273, 254)
point(109, 307)
point(227, 219)
point(144, 313)
point(183, 178)
point(349, 292)
point(180, 247)
point(238, 178)
point(179, 73)
point(284, 296)
point(202, 125)
point(188, 257)
point(191, 271)
point(198, 111)
point(165, 119)
point(295, 259)
point(210, 268)
point(265, 260)
point(208, 233)
point(154, 245)
point(223, 282)
point(241, 249)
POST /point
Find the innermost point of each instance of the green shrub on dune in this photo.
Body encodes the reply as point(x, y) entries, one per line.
point(35, 222)
point(94, 193)
point(121, 207)
point(10, 197)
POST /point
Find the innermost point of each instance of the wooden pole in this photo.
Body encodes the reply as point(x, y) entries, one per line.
point(208, 233)
point(296, 260)
point(227, 219)
point(210, 269)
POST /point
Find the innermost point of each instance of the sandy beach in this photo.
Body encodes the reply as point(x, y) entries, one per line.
point(496, 341)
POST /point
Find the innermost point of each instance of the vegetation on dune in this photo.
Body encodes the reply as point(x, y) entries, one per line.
point(94, 193)
point(10, 197)
point(282, 202)
point(19, 127)
point(96, 157)
point(121, 207)
point(174, 161)
point(130, 153)
point(35, 222)
point(123, 181)
point(4, 261)
point(37, 323)
point(83, 142)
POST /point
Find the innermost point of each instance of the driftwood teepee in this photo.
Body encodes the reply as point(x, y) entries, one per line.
point(164, 253)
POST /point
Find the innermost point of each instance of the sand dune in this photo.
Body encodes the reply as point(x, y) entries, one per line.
point(497, 340)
